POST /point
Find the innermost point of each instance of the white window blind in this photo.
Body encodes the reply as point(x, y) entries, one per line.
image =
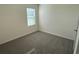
point(31, 16)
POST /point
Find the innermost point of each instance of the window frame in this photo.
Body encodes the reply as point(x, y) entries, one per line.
point(31, 16)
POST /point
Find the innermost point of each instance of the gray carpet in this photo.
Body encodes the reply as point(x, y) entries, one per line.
point(43, 43)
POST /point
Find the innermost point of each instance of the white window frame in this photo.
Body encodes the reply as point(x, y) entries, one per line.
point(31, 16)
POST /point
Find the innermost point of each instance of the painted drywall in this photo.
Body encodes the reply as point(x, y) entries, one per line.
point(13, 21)
point(60, 19)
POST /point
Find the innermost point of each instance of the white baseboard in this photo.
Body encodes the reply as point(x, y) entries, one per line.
point(30, 33)
point(55, 34)
point(17, 37)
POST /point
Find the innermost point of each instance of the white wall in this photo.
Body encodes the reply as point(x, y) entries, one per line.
point(13, 22)
point(59, 20)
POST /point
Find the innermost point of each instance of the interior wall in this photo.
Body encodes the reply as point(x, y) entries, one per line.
point(13, 21)
point(60, 19)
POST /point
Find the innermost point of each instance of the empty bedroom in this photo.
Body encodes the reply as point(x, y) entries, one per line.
point(39, 28)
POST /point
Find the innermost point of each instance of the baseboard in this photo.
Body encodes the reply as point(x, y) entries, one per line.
point(30, 33)
point(55, 34)
point(17, 37)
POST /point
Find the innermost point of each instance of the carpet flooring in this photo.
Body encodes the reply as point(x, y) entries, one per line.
point(39, 43)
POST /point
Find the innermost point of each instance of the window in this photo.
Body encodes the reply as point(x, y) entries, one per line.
point(31, 16)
